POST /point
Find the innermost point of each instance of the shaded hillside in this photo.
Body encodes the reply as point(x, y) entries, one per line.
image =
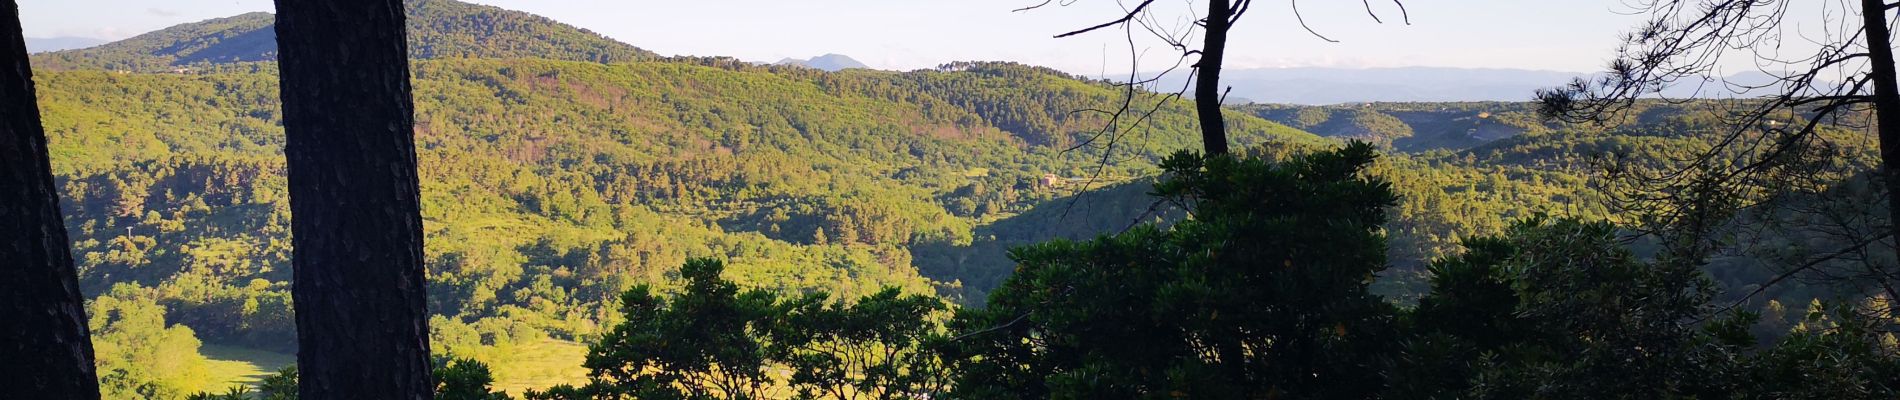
point(1450, 195)
point(1411, 127)
point(1444, 199)
point(437, 29)
point(245, 37)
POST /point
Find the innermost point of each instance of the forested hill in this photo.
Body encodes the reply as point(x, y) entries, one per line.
point(551, 186)
point(1413, 127)
point(555, 176)
point(437, 29)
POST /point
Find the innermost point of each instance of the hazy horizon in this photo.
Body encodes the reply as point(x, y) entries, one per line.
point(1575, 37)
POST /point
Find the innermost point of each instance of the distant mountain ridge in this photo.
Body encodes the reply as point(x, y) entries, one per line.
point(1323, 86)
point(437, 29)
point(41, 45)
point(1312, 86)
point(828, 62)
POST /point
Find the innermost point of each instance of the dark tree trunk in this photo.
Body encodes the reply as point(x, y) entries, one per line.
point(1207, 89)
point(1886, 103)
point(45, 351)
point(356, 225)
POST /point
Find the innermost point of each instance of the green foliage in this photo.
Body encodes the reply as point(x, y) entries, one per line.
point(280, 386)
point(713, 341)
point(464, 379)
point(553, 187)
point(139, 355)
point(1841, 354)
point(1411, 127)
point(880, 347)
point(1559, 309)
point(1261, 294)
point(550, 187)
point(455, 379)
point(234, 393)
point(704, 343)
point(241, 38)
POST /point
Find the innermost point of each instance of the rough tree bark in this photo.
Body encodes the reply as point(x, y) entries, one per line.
point(355, 209)
point(45, 350)
point(1207, 89)
point(1886, 102)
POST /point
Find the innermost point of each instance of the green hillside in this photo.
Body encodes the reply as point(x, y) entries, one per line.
point(1413, 127)
point(552, 186)
point(560, 168)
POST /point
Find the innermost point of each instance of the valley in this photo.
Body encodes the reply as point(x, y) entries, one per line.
point(561, 168)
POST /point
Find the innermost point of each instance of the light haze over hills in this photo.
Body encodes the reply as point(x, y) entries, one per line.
point(41, 45)
point(828, 62)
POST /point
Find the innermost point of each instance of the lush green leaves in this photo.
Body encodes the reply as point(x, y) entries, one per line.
point(712, 340)
point(1262, 293)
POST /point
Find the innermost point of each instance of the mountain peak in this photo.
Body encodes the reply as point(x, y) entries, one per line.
point(829, 62)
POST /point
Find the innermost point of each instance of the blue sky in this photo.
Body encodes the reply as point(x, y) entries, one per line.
point(1563, 35)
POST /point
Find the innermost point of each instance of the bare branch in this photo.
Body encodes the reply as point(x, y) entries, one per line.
point(1124, 19)
point(1804, 267)
point(1302, 19)
point(1038, 5)
point(1375, 15)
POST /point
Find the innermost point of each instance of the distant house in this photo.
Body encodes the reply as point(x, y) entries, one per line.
point(1052, 181)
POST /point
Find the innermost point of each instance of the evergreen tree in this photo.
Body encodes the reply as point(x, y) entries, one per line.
point(43, 335)
point(1263, 294)
point(356, 220)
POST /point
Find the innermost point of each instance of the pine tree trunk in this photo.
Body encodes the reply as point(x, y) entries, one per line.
point(355, 209)
point(1886, 103)
point(1207, 89)
point(45, 351)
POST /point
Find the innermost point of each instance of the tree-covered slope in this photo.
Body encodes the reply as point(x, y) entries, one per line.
point(1481, 186)
point(1412, 127)
point(437, 29)
point(560, 168)
point(551, 186)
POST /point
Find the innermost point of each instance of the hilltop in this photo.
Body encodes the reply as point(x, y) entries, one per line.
point(828, 62)
point(1413, 127)
point(437, 29)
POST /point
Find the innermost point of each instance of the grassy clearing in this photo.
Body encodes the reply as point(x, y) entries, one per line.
point(538, 365)
point(535, 365)
point(239, 366)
